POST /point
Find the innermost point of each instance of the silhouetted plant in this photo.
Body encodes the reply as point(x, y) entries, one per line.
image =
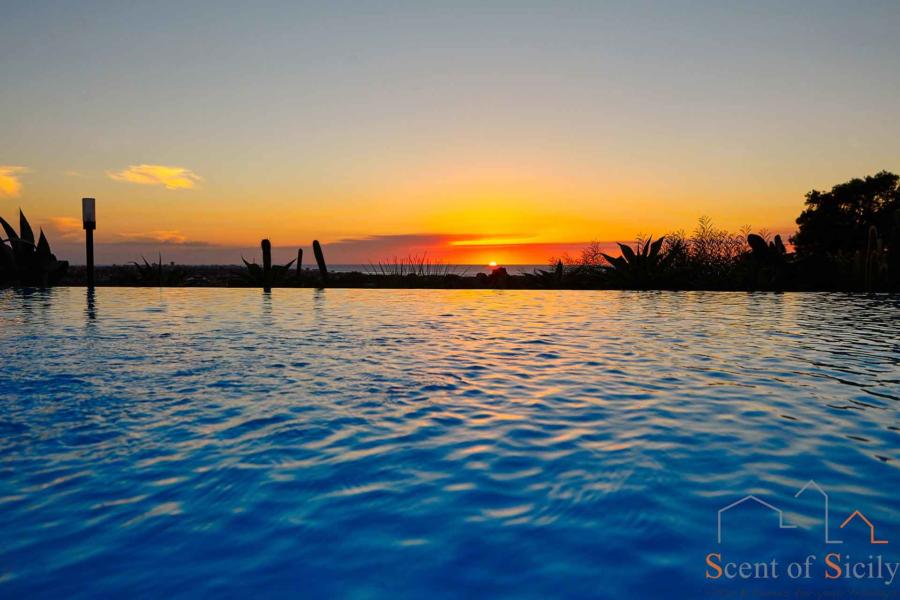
point(771, 253)
point(771, 264)
point(320, 260)
point(557, 277)
point(591, 256)
point(299, 266)
point(893, 257)
point(266, 275)
point(643, 266)
point(24, 262)
point(714, 250)
point(709, 258)
point(255, 275)
point(156, 274)
point(413, 265)
point(839, 220)
point(873, 263)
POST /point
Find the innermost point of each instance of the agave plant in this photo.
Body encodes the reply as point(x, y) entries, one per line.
point(547, 279)
point(771, 253)
point(24, 262)
point(157, 275)
point(256, 275)
point(771, 264)
point(640, 266)
point(266, 275)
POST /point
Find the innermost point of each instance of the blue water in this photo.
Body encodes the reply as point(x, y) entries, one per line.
point(428, 443)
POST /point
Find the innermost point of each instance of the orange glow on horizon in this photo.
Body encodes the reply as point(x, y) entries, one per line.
point(491, 242)
point(421, 148)
point(519, 214)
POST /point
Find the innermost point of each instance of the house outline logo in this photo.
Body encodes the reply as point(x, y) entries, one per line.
point(747, 498)
point(872, 539)
point(818, 488)
point(781, 520)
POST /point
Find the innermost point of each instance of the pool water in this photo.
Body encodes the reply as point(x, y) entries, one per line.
point(433, 443)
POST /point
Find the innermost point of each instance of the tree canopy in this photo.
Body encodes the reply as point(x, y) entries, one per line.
point(839, 220)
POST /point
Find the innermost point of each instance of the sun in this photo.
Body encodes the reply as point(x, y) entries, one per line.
point(493, 263)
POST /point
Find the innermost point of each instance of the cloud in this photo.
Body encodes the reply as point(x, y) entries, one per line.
point(460, 248)
point(375, 247)
point(507, 240)
point(419, 239)
point(168, 237)
point(10, 186)
point(73, 173)
point(172, 178)
point(64, 228)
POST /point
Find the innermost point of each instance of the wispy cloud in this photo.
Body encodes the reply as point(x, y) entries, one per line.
point(172, 237)
point(461, 248)
point(64, 228)
point(507, 240)
point(10, 186)
point(172, 178)
point(421, 239)
point(73, 173)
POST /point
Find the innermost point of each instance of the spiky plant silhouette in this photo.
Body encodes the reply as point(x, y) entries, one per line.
point(547, 279)
point(24, 262)
point(266, 275)
point(156, 274)
point(639, 267)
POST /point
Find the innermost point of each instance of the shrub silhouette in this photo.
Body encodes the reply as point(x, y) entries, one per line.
point(268, 274)
point(158, 275)
point(643, 266)
point(558, 277)
point(839, 220)
point(24, 262)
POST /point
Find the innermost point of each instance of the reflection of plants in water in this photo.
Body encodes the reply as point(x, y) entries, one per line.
point(24, 262)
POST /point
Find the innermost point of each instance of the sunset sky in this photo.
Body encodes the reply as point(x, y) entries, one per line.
point(507, 131)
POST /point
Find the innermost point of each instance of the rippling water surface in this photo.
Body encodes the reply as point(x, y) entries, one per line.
point(384, 443)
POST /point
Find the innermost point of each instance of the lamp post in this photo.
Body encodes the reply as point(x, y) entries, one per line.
point(89, 216)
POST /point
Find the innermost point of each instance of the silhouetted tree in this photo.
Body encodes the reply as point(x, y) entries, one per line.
point(838, 221)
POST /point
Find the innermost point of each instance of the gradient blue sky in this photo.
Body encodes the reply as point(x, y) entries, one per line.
point(477, 131)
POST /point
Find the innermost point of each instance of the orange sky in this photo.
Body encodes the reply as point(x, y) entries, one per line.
point(470, 131)
point(517, 214)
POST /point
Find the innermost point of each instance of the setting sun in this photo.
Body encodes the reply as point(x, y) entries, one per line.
point(493, 263)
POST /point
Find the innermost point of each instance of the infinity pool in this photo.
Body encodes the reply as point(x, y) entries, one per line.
point(387, 443)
